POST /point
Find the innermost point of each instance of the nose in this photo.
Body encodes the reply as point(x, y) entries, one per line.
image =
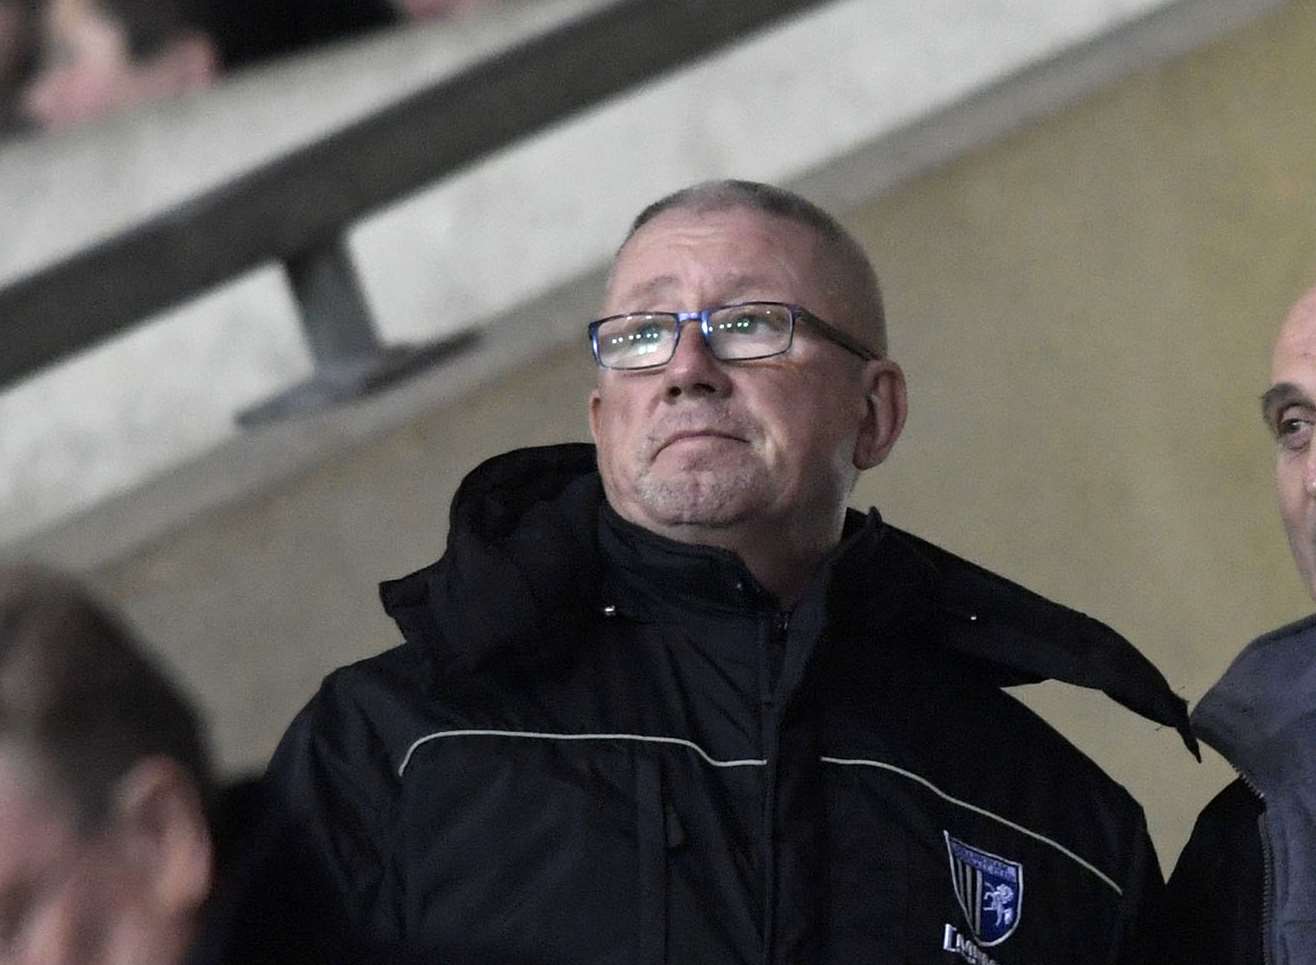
point(1309, 473)
point(693, 370)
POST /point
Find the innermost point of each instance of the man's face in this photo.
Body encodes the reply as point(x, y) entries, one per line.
point(1290, 411)
point(700, 445)
point(66, 897)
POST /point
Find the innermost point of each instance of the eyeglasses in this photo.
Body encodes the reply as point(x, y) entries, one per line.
point(733, 333)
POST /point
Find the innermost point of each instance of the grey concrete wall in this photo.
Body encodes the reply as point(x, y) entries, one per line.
point(1084, 310)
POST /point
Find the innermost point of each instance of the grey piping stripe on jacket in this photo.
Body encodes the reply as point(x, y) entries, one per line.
point(755, 762)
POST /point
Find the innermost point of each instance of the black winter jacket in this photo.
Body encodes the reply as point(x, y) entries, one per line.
point(1244, 890)
point(597, 745)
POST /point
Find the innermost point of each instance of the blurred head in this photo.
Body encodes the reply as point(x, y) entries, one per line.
point(728, 452)
point(1289, 408)
point(99, 56)
point(105, 855)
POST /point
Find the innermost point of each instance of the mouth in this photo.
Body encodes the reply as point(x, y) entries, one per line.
point(697, 435)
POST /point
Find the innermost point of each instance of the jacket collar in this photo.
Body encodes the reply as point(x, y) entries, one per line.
point(648, 573)
point(1261, 715)
point(523, 575)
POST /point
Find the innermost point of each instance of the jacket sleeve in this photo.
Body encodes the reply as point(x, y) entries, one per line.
point(1213, 902)
point(332, 773)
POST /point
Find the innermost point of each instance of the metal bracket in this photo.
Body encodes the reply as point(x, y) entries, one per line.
point(350, 360)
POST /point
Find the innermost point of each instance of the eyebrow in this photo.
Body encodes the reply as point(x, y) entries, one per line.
point(1278, 397)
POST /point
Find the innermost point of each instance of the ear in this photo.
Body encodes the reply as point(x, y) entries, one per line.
point(595, 401)
point(162, 826)
point(886, 406)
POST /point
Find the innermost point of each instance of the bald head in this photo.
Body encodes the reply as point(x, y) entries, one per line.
point(1294, 352)
point(1299, 316)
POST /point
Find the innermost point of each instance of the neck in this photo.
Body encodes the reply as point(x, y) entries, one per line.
point(783, 560)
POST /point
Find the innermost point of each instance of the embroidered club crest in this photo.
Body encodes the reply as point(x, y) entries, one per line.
point(990, 890)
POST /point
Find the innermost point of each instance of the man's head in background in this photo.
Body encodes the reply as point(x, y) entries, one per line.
point(100, 56)
point(105, 853)
point(1289, 408)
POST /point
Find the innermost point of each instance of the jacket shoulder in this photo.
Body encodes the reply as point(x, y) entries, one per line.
point(335, 774)
point(1018, 636)
point(364, 712)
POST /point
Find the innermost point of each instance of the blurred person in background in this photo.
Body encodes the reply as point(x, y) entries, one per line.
point(109, 854)
point(100, 56)
point(1244, 889)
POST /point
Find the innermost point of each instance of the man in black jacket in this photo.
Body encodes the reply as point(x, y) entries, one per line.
point(1244, 889)
point(668, 700)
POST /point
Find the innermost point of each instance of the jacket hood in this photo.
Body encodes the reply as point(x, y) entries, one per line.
point(1260, 715)
point(521, 555)
point(523, 547)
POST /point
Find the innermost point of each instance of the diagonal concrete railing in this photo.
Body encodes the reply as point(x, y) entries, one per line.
point(297, 209)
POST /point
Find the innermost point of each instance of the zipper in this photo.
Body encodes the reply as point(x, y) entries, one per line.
point(1267, 893)
point(774, 658)
point(775, 653)
point(1268, 873)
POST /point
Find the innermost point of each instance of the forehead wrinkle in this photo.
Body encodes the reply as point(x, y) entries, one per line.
point(746, 282)
point(734, 286)
point(649, 288)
